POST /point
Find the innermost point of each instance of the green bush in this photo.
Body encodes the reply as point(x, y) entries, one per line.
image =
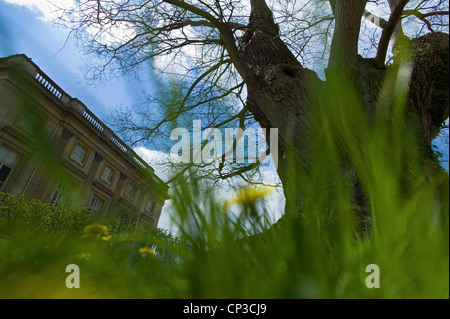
point(17, 214)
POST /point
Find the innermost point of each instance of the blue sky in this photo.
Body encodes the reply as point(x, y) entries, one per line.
point(22, 30)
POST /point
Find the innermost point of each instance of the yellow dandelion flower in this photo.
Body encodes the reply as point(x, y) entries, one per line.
point(249, 195)
point(147, 251)
point(96, 231)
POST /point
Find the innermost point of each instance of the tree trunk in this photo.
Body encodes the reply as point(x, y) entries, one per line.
point(282, 90)
point(344, 46)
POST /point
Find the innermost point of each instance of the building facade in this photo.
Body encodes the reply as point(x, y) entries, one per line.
point(53, 148)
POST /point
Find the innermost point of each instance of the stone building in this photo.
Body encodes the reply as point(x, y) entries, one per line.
point(53, 148)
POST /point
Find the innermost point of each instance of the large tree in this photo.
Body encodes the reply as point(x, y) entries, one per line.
point(256, 53)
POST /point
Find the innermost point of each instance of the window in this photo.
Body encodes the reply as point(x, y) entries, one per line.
point(107, 174)
point(8, 160)
point(148, 207)
point(4, 173)
point(7, 156)
point(95, 205)
point(78, 154)
point(28, 120)
point(121, 217)
point(65, 190)
point(130, 190)
point(58, 194)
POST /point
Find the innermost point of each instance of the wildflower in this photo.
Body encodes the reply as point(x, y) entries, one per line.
point(147, 251)
point(96, 231)
point(248, 196)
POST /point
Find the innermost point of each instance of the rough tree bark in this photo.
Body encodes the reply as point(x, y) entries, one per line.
point(282, 89)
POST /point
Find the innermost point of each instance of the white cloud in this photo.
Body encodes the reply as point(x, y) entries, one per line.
point(46, 9)
point(51, 10)
point(155, 159)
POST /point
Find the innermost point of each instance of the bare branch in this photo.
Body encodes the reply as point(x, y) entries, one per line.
point(388, 31)
point(225, 32)
point(423, 16)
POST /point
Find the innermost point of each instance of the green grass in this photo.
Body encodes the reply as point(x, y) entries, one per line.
point(318, 254)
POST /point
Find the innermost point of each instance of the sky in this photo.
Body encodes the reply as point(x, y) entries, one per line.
point(24, 29)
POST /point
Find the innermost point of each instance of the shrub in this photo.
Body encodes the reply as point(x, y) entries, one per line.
point(18, 215)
